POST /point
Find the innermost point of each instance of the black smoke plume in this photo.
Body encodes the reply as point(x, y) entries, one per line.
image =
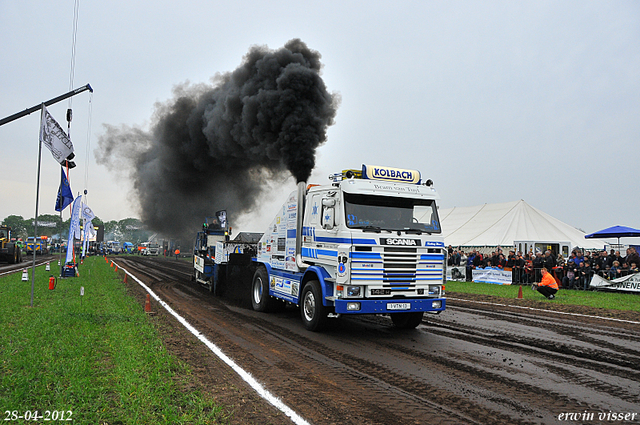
point(220, 146)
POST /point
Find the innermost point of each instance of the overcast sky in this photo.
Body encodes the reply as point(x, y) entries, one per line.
point(494, 101)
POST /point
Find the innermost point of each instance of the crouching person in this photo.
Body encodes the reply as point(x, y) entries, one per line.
point(548, 285)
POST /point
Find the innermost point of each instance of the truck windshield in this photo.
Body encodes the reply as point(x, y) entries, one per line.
point(391, 213)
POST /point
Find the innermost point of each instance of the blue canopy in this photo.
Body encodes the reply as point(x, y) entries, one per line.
point(615, 232)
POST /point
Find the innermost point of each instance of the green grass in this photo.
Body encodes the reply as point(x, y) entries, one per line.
point(97, 355)
point(598, 299)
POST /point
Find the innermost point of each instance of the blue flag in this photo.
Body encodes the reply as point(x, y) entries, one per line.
point(65, 197)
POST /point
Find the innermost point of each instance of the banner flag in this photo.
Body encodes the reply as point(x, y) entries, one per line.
point(74, 228)
point(55, 139)
point(87, 214)
point(222, 218)
point(492, 275)
point(65, 197)
point(85, 241)
point(89, 231)
point(629, 283)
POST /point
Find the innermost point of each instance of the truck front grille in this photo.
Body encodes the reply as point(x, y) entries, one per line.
point(396, 266)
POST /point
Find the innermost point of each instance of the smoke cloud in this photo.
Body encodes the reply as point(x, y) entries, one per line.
point(220, 146)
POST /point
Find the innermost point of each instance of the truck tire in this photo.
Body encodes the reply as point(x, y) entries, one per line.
point(313, 312)
point(406, 320)
point(260, 299)
point(219, 281)
point(12, 253)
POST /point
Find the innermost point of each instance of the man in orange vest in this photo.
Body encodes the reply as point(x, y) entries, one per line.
point(177, 252)
point(548, 285)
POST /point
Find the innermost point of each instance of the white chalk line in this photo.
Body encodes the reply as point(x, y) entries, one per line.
point(246, 376)
point(546, 311)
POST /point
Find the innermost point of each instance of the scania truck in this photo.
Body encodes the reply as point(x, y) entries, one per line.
point(367, 243)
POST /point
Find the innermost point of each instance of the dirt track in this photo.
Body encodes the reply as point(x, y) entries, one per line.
point(474, 363)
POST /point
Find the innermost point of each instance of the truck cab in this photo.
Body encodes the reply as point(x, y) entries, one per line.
point(10, 251)
point(213, 235)
point(39, 244)
point(368, 243)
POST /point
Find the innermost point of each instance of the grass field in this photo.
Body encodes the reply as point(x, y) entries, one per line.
point(96, 357)
point(598, 299)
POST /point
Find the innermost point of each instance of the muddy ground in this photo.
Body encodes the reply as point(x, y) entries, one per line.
point(477, 362)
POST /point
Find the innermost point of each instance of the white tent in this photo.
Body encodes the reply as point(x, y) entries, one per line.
point(490, 225)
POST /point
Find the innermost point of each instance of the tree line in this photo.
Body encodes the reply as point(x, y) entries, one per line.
point(125, 230)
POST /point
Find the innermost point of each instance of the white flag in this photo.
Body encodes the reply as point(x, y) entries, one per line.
point(87, 214)
point(74, 228)
point(89, 231)
point(55, 139)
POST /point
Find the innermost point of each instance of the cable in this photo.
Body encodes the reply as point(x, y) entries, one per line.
point(73, 47)
point(88, 150)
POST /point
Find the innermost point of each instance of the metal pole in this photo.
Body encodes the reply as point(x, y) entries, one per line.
point(35, 222)
point(60, 244)
point(60, 98)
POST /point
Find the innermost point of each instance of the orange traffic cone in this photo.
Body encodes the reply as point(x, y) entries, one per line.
point(105, 259)
point(520, 293)
point(125, 278)
point(147, 304)
point(111, 264)
point(116, 267)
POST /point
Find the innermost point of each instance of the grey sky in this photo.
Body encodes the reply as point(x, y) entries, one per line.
point(494, 101)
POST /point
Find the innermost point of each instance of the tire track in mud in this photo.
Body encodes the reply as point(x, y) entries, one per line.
point(591, 352)
point(399, 398)
point(444, 372)
point(404, 394)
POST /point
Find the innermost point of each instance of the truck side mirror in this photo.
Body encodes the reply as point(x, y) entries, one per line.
point(327, 219)
point(328, 202)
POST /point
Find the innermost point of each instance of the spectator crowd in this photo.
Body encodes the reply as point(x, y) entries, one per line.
point(574, 273)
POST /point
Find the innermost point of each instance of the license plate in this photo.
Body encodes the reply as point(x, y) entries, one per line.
point(398, 306)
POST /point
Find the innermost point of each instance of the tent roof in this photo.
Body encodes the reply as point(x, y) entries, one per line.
point(502, 224)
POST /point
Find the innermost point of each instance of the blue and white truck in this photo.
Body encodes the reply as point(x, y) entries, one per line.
point(367, 243)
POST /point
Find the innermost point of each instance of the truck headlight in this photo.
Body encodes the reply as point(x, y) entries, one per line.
point(353, 306)
point(354, 291)
point(436, 304)
point(434, 289)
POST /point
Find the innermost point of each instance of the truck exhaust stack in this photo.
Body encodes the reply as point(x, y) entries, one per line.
point(302, 188)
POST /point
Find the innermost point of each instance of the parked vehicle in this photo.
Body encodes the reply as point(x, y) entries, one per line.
point(40, 244)
point(113, 248)
point(150, 249)
point(10, 251)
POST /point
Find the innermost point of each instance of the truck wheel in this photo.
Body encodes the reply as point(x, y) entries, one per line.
point(406, 320)
point(313, 312)
point(260, 290)
point(219, 281)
